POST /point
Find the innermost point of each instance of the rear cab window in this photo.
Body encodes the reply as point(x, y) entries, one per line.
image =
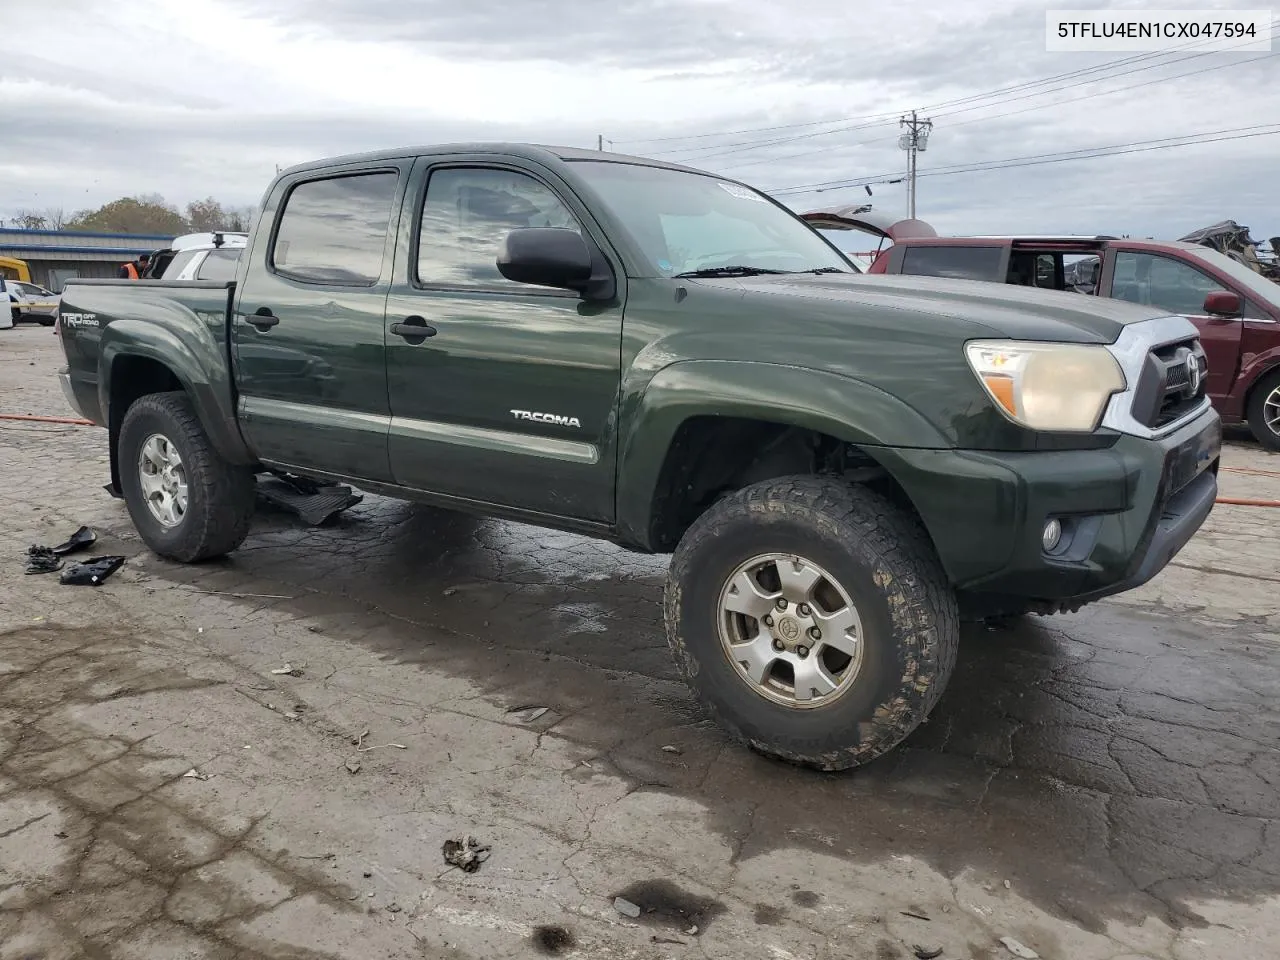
point(954, 262)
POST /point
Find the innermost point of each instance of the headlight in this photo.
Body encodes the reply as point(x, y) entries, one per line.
point(1047, 386)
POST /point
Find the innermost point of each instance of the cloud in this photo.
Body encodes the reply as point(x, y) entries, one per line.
point(207, 97)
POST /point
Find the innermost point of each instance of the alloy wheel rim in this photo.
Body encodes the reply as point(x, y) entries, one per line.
point(163, 479)
point(791, 631)
point(1271, 411)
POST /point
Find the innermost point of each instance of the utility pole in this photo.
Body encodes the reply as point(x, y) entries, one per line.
point(914, 141)
point(600, 142)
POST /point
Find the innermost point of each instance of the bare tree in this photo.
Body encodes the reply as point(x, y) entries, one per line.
point(30, 220)
point(56, 217)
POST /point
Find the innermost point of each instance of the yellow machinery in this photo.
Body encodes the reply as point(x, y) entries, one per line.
point(13, 269)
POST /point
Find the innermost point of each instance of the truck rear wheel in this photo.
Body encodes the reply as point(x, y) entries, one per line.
point(187, 503)
point(812, 619)
point(1264, 411)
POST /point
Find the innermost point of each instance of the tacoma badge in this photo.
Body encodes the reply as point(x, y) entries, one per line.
point(547, 418)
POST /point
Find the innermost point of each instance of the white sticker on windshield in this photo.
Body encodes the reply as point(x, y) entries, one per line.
point(741, 192)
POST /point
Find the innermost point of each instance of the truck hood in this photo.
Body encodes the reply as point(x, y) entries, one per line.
point(971, 308)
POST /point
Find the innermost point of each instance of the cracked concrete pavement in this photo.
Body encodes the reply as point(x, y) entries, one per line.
point(1102, 785)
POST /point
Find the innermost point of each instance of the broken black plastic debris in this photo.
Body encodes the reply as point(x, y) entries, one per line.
point(82, 538)
point(42, 559)
point(314, 502)
point(466, 854)
point(91, 573)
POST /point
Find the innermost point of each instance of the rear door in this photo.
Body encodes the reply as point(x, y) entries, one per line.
point(307, 332)
point(1173, 284)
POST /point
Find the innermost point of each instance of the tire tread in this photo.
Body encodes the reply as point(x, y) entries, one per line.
point(226, 490)
point(901, 544)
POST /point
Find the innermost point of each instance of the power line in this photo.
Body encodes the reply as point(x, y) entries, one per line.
point(728, 149)
point(1067, 154)
point(988, 95)
point(1094, 95)
point(1194, 56)
point(1084, 153)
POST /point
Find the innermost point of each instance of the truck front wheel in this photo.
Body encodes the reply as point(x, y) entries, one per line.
point(187, 503)
point(812, 619)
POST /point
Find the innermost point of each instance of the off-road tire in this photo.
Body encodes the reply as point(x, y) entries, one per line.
point(220, 495)
point(1257, 424)
point(886, 562)
point(16, 314)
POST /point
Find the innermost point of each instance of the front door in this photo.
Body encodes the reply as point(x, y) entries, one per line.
point(308, 329)
point(510, 395)
point(1158, 280)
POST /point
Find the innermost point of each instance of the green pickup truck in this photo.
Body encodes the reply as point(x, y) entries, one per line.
point(844, 467)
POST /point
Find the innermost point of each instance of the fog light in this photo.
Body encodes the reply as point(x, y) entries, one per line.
point(1052, 535)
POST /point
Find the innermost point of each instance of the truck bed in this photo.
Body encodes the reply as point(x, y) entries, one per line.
point(182, 324)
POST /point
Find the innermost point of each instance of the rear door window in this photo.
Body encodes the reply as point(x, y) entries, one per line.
point(959, 263)
point(334, 231)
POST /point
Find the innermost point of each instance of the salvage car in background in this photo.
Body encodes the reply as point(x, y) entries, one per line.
point(860, 218)
point(1235, 308)
point(30, 301)
point(1233, 240)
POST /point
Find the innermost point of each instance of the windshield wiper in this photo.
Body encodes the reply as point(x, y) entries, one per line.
point(823, 270)
point(733, 271)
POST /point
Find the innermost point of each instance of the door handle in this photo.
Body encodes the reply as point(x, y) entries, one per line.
point(413, 329)
point(262, 318)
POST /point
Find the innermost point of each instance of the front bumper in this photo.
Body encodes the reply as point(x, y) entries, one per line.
point(1126, 511)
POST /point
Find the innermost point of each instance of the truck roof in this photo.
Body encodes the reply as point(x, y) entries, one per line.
point(528, 151)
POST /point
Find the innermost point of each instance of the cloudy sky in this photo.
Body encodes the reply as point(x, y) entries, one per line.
point(190, 98)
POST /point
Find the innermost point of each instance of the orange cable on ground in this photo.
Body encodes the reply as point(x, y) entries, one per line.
point(77, 421)
point(1247, 502)
point(1253, 471)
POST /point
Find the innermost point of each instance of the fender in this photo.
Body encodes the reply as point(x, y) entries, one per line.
point(1255, 366)
point(842, 407)
point(191, 344)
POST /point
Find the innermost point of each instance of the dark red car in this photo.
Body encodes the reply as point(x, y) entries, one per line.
point(1236, 309)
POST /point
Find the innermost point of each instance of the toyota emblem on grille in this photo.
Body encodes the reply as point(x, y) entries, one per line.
point(1193, 374)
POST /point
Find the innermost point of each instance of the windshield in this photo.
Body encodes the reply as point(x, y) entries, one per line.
point(686, 222)
point(1255, 283)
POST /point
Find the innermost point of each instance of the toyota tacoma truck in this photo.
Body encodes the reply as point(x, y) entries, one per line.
point(841, 466)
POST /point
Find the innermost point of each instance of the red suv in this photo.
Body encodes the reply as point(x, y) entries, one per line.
point(1236, 309)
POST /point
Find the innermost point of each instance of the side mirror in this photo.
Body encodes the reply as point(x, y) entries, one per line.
point(546, 256)
point(1223, 303)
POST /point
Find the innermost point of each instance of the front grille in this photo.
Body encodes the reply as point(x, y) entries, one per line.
point(1172, 383)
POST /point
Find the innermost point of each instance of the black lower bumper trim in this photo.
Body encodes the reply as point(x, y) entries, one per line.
point(1179, 521)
